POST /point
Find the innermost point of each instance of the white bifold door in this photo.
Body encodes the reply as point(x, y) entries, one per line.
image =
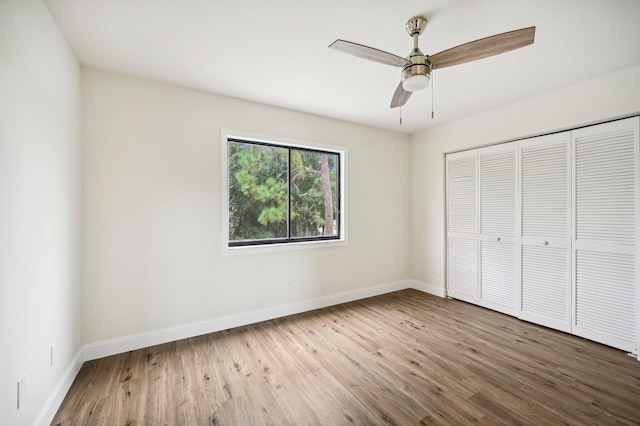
point(545, 239)
point(498, 232)
point(606, 299)
point(462, 226)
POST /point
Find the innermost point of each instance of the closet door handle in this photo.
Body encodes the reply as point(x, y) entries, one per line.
point(546, 243)
point(498, 239)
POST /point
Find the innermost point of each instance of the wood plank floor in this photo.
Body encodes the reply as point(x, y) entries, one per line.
point(403, 358)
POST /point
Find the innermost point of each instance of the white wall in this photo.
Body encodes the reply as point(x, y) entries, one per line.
point(152, 209)
point(39, 206)
point(605, 97)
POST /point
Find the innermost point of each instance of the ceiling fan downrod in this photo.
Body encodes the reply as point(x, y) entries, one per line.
point(417, 74)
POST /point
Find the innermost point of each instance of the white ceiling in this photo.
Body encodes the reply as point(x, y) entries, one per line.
point(275, 52)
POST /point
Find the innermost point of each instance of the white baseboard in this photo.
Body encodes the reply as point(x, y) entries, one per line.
point(434, 289)
point(115, 346)
point(54, 401)
point(142, 340)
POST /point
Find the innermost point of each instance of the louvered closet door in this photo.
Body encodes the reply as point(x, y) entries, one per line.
point(462, 226)
point(606, 299)
point(499, 281)
point(545, 254)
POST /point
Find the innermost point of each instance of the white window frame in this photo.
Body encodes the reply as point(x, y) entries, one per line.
point(297, 245)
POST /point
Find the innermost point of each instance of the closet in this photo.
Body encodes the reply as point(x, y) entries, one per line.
point(545, 229)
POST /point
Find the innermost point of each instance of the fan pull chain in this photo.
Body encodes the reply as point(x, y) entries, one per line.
point(432, 79)
point(400, 116)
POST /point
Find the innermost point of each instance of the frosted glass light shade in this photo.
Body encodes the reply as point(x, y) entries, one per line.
point(415, 82)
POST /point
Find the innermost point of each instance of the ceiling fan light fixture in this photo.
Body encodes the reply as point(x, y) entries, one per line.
point(417, 75)
point(416, 82)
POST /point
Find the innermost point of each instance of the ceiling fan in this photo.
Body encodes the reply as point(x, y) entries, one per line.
point(417, 67)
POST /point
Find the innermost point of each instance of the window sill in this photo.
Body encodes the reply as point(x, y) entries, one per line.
point(274, 248)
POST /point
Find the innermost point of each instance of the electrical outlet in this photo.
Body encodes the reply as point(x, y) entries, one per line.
point(22, 392)
point(438, 271)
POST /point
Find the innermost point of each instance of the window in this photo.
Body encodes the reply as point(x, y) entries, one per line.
point(281, 193)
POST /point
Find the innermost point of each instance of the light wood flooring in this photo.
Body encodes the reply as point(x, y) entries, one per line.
point(403, 358)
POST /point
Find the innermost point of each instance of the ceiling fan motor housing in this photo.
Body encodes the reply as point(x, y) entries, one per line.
point(420, 66)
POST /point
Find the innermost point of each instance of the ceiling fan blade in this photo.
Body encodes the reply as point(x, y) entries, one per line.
point(400, 97)
point(370, 53)
point(483, 48)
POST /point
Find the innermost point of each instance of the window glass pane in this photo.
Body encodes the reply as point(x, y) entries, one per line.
point(258, 192)
point(314, 193)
